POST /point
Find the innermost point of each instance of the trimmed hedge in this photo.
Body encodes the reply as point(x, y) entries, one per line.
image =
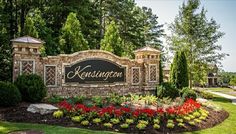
point(9, 94)
point(32, 87)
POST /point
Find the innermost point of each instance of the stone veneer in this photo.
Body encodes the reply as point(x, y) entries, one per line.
point(142, 73)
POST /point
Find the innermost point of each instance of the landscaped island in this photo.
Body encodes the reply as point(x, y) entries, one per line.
point(130, 114)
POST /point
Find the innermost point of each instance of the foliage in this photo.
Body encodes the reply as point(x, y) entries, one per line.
point(10, 95)
point(32, 87)
point(233, 81)
point(55, 99)
point(124, 125)
point(179, 71)
point(129, 121)
point(108, 125)
point(141, 126)
point(197, 36)
point(77, 118)
point(71, 39)
point(188, 93)
point(98, 100)
point(97, 120)
point(115, 121)
point(204, 94)
point(156, 126)
point(167, 90)
point(85, 123)
point(112, 41)
point(58, 114)
point(226, 77)
point(160, 71)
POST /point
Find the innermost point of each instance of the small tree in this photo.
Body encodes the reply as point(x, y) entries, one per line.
point(182, 76)
point(112, 41)
point(72, 39)
point(179, 71)
point(160, 72)
point(173, 71)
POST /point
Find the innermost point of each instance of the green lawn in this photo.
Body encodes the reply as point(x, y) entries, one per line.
point(228, 91)
point(6, 127)
point(227, 127)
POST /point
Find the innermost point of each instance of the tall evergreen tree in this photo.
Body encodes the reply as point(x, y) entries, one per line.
point(71, 39)
point(193, 33)
point(182, 76)
point(179, 71)
point(173, 70)
point(160, 72)
point(112, 41)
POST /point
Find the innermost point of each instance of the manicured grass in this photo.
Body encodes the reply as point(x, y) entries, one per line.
point(228, 91)
point(227, 127)
point(6, 127)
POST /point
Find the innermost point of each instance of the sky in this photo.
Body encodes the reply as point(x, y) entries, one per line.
point(222, 11)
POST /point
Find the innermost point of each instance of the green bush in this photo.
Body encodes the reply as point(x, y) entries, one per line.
point(205, 95)
point(9, 94)
point(31, 87)
point(188, 93)
point(167, 90)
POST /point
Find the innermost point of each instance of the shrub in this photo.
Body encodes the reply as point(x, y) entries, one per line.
point(9, 94)
point(188, 93)
point(58, 114)
point(31, 87)
point(156, 126)
point(85, 123)
point(108, 125)
point(167, 90)
point(124, 125)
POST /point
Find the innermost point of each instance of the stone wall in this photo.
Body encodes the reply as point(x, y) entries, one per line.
point(141, 73)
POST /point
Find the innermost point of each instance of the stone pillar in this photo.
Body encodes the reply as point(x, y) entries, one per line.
point(26, 55)
point(150, 58)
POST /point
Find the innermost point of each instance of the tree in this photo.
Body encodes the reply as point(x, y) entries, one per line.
point(173, 69)
point(160, 72)
point(71, 39)
point(193, 33)
point(233, 81)
point(30, 28)
point(182, 76)
point(179, 71)
point(112, 41)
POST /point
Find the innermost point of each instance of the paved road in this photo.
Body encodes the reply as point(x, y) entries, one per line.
point(233, 98)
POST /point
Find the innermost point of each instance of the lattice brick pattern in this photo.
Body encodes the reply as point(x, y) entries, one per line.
point(153, 73)
point(50, 78)
point(27, 67)
point(135, 73)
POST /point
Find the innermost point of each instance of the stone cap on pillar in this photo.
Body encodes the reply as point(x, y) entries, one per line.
point(147, 52)
point(26, 44)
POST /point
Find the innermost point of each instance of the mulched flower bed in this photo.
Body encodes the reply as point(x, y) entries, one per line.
point(20, 114)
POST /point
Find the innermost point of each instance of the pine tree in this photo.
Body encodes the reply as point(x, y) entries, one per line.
point(182, 77)
point(179, 71)
point(173, 72)
point(71, 39)
point(112, 41)
point(160, 72)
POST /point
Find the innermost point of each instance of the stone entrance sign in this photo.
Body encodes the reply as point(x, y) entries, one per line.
point(88, 73)
point(94, 71)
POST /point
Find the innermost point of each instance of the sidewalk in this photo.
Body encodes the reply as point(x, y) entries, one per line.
point(233, 98)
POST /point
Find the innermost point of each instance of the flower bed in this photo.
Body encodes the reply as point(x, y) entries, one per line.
point(189, 113)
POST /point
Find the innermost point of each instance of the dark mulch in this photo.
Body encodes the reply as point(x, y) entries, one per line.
point(20, 114)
